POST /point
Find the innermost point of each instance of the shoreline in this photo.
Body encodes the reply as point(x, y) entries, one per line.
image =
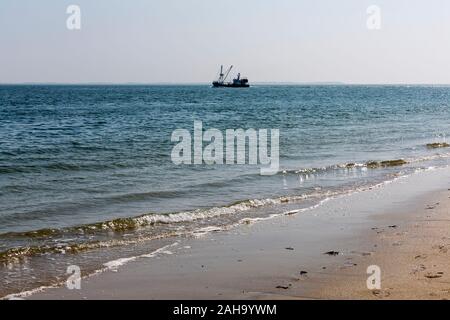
point(284, 258)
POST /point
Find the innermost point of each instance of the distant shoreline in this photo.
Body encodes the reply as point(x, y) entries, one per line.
point(209, 84)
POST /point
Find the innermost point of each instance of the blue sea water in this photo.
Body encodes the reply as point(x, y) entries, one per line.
point(83, 165)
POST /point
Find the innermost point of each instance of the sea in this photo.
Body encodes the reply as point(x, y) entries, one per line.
point(87, 177)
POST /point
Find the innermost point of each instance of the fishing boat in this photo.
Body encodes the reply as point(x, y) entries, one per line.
point(237, 82)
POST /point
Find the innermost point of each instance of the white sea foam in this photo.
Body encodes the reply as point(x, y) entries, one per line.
point(24, 294)
point(115, 264)
point(112, 265)
point(205, 230)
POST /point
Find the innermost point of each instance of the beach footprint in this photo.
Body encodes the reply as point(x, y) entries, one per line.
point(442, 248)
point(418, 268)
point(381, 293)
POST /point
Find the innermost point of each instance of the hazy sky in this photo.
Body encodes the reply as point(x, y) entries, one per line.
point(187, 40)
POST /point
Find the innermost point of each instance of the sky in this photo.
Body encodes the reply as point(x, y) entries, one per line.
point(186, 41)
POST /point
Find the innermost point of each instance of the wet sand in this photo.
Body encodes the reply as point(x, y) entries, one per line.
point(403, 227)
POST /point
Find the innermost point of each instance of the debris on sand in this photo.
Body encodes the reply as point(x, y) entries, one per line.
point(283, 287)
point(432, 206)
point(289, 248)
point(332, 253)
point(381, 293)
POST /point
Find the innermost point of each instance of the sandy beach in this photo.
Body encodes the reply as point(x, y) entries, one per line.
point(402, 226)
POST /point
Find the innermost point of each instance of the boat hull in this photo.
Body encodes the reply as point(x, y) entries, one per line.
point(230, 85)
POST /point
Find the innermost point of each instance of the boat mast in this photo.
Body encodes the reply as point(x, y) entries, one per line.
point(221, 74)
point(226, 75)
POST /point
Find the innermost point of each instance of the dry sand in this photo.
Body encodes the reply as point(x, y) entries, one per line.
point(402, 227)
point(414, 257)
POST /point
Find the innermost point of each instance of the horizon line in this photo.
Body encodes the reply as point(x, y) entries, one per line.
point(162, 83)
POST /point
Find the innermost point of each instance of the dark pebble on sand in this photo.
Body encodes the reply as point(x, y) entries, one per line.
point(283, 287)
